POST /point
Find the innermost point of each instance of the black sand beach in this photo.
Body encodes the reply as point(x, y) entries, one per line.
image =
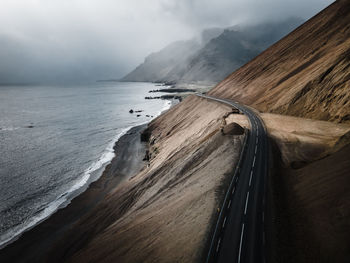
point(35, 244)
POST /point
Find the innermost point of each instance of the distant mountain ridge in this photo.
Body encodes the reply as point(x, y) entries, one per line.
point(210, 60)
point(165, 65)
point(170, 63)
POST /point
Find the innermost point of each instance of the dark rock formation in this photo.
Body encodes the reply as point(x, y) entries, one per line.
point(172, 90)
point(232, 129)
point(145, 135)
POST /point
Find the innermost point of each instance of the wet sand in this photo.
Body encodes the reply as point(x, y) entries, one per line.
point(34, 245)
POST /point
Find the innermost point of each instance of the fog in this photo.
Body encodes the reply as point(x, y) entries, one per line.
point(85, 40)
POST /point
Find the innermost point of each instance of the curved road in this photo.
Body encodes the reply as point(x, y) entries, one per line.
point(240, 234)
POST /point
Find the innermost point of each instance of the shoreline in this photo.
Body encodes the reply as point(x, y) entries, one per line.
point(77, 189)
point(34, 244)
point(92, 174)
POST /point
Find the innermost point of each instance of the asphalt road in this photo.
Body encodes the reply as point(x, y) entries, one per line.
point(240, 233)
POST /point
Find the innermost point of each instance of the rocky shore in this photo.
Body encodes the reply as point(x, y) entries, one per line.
point(172, 90)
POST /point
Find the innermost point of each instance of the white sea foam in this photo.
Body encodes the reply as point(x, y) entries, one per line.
point(9, 128)
point(107, 156)
point(104, 160)
point(167, 105)
point(13, 234)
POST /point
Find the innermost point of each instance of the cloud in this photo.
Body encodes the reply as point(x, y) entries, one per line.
point(78, 40)
point(206, 13)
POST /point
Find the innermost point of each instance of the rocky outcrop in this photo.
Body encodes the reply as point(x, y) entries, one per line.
point(232, 129)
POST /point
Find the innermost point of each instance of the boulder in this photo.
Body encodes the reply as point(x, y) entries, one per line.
point(235, 111)
point(147, 156)
point(232, 129)
point(145, 135)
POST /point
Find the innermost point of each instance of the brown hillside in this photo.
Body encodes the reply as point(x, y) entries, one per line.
point(306, 74)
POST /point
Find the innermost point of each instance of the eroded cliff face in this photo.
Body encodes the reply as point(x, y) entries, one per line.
point(306, 74)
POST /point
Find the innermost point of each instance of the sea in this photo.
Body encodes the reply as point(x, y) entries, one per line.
point(57, 139)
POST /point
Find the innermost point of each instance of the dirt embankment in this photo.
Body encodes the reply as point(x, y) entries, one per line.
point(166, 212)
point(312, 210)
point(311, 189)
point(306, 74)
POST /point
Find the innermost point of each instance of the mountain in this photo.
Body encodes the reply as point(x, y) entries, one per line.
point(305, 75)
point(233, 48)
point(169, 64)
point(217, 54)
point(165, 65)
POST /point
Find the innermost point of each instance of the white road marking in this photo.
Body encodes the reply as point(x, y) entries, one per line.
point(264, 239)
point(255, 121)
point(233, 190)
point(246, 203)
point(223, 224)
point(251, 176)
point(263, 216)
point(256, 148)
point(240, 244)
point(229, 204)
point(218, 246)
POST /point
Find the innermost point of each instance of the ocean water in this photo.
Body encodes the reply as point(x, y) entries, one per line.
point(55, 140)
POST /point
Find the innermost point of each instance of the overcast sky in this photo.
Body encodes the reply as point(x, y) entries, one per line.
point(56, 40)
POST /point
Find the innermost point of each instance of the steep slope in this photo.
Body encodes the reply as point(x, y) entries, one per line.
point(233, 48)
point(166, 212)
point(313, 210)
point(305, 74)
